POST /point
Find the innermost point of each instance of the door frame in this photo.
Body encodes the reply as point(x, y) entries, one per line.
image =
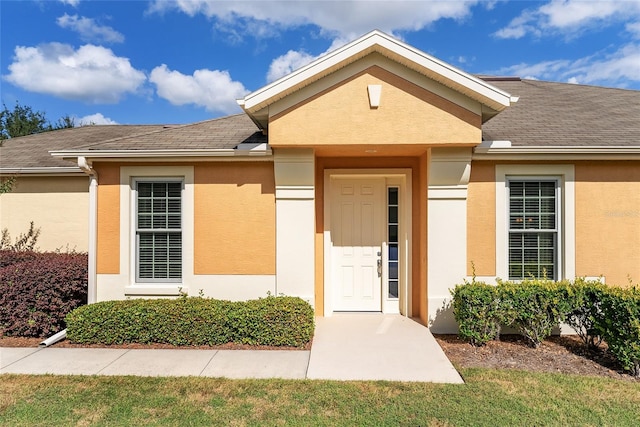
point(401, 178)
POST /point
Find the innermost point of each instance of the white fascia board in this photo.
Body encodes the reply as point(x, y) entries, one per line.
point(488, 151)
point(485, 146)
point(55, 170)
point(364, 44)
point(260, 151)
point(450, 72)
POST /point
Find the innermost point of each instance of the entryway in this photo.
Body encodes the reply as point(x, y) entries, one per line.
point(367, 218)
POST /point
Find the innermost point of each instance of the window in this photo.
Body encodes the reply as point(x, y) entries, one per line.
point(159, 231)
point(392, 240)
point(533, 229)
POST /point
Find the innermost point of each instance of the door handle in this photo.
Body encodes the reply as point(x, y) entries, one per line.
point(379, 267)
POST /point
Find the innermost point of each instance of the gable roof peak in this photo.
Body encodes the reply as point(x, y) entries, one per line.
point(376, 41)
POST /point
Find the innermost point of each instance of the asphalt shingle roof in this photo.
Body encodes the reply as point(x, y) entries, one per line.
point(226, 132)
point(562, 114)
point(547, 114)
point(33, 150)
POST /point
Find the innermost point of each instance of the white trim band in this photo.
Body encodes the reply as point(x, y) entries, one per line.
point(488, 151)
point(259, 151)
point(69, 170)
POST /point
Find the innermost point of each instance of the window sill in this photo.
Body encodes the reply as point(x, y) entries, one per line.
point(155, 289)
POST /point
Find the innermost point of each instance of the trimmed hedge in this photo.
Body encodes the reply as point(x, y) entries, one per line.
point(37, 290)
point(191, 321)
point(534, 307)
point(476, 308)
point(619, 325)
point(585, 309)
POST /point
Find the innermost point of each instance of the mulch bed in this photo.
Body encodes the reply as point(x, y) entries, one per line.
point(561, 354)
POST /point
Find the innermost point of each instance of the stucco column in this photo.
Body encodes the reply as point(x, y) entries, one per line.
point(449, 173)
point(295, 222)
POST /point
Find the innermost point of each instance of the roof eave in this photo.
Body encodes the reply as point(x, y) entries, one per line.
point(261, 150)
point(42, 170)
point(502, 150)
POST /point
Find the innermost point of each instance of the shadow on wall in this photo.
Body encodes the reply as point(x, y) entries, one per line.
point(443, 322)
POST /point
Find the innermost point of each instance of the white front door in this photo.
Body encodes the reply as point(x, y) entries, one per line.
point(357, 234)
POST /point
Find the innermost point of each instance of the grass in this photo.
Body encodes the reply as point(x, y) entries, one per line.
point(490, 397)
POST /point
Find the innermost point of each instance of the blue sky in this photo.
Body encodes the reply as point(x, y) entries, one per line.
point(133, 62)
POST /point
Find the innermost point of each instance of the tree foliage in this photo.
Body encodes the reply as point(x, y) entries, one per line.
point(23, 120)
point(6, 184)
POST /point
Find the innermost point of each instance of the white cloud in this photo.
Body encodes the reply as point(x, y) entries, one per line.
point(94, 119)
point(73, 3)
point(287, 63)
point(215, 90)
point(571, 13)
point(292, 60)
point(614, 69)
point(89, 29)
point(91, 74)
point(634, 28)
point(334, 18)
point(570, 17)
point(623, 65)
point(339, 21)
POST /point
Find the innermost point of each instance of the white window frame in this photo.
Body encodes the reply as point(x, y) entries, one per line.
point(128, 230)
point(565, 176)
point(135, 183)
point(557, 231)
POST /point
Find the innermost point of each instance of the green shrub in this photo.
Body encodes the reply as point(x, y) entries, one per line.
point(584, 299)
point(476, 309)
point(620, 326)
point(533, 307)
point(271, 321)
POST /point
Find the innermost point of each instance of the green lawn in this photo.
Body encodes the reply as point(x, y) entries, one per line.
point(490, 397)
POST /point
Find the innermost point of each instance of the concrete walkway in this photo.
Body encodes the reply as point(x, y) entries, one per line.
point(345, 347)
point(363, 346)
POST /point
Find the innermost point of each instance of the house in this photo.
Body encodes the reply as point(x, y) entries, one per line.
point(51, 192)
point(373, 179)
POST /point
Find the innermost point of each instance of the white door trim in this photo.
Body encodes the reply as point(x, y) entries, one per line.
point(401, 178)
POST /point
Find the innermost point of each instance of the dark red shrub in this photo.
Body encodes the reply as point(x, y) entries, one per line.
point(8, 256)
point(38, 291)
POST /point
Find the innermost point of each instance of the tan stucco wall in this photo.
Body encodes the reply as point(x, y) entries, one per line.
point(108, 236)
point(342, 115)
point(607, 223)
point(234, 218)
point(481, 220)
point(608, 220)
point(59, 206)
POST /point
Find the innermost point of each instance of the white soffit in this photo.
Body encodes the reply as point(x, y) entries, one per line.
point(377, 41)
